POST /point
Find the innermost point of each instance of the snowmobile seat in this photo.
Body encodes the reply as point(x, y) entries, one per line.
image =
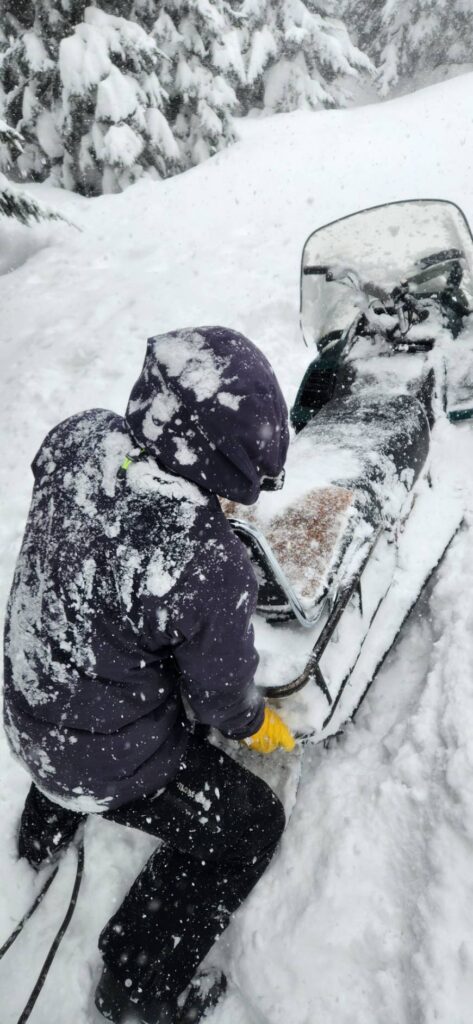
point(349, 474)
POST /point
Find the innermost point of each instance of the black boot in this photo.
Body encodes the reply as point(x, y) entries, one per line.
point(204, 992)
point(45, 828)
point(117, 1003)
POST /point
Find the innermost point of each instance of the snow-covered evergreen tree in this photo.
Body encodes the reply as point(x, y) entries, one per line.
point(421, 35)
point(145, 12)
point(15, 17)
point(363, 19)
point(21, 206)
point(13, 203)
point(114, 127)
point(29, 79)
point(11, 145)
point(298, 54)
point(82, 86)
point(204, 66)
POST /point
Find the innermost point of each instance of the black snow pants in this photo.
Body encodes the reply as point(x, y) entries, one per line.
point(220, 825)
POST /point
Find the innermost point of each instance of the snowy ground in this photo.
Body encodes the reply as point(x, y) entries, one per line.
point(365, 915)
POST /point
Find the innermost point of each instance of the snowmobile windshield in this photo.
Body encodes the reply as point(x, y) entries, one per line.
point(208, 406)
point(419, 240)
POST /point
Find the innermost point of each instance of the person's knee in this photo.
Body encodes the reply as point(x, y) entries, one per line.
point(275, 817)
point(264, 827)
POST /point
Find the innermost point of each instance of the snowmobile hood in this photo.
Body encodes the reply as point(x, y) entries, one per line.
point(208, 407)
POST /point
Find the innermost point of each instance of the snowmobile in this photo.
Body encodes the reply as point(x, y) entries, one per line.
point(371, 502)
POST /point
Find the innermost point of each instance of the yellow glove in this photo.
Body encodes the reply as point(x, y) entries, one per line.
point(272, 734)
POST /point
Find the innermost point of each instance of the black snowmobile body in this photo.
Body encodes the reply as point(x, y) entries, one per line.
point(386, 298)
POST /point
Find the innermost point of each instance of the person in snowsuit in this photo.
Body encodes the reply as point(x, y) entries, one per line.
point(129, 629)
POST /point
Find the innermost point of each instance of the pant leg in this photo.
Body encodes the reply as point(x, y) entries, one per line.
point(220, 825)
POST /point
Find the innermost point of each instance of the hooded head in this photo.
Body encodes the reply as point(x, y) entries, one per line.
point(208, 406)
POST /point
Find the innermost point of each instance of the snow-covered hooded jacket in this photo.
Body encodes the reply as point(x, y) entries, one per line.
point(131, 593)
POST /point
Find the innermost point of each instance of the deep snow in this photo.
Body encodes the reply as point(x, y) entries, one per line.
point(365, 915)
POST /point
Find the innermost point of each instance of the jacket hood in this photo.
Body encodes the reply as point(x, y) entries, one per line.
point(208, 407)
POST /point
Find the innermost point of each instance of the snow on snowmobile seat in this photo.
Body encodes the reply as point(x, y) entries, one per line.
point(349, 474)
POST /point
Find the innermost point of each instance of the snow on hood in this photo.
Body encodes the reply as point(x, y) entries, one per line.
point(208, 407)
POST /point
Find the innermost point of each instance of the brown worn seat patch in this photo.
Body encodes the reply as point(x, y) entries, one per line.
point(307, 538)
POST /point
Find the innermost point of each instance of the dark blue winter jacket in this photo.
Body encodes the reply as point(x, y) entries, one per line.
point(132, 597)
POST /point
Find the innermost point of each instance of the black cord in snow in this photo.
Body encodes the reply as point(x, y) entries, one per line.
point(59, 934)
point(29, 913)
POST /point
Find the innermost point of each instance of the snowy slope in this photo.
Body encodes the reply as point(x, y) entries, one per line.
point(365, 915)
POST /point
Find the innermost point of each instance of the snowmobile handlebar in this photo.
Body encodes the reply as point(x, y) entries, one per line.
point(448, 261)
point(351, 278)
point(406, 300)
